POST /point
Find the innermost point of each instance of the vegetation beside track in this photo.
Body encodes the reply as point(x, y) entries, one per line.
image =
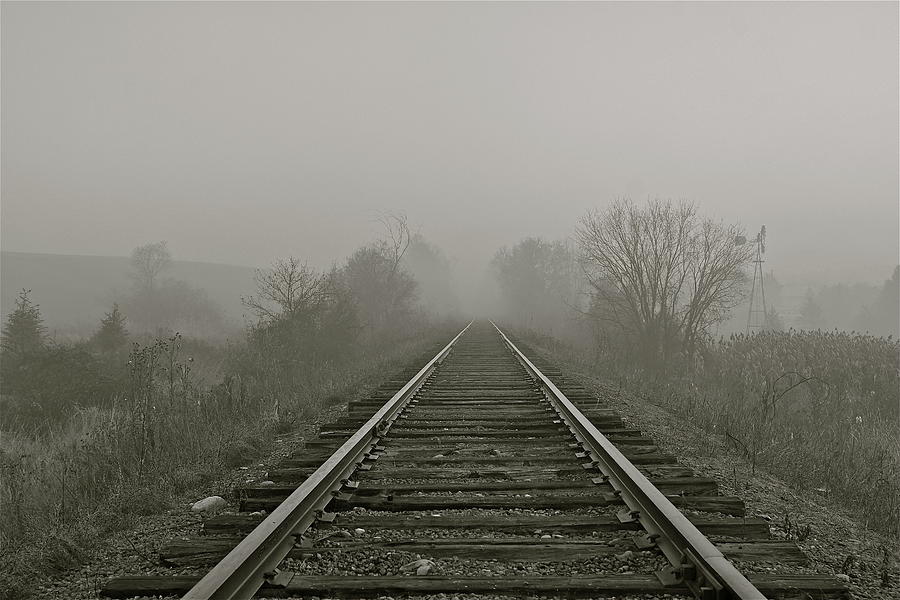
point(97, 470)
point(818, 409)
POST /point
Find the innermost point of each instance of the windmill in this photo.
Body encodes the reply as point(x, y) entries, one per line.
point(757, 317)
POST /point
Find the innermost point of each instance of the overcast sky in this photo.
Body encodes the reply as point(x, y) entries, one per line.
point(240, 132)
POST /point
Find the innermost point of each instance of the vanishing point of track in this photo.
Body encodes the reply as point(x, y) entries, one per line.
point(479, 475)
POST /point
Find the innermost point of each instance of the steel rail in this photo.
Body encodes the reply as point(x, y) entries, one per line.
point(255, 559)
point(695, 560)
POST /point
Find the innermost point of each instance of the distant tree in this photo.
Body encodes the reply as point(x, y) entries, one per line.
point(810, 313)
point(433, 274)
point(397, 239)
point(338, 318)
point(665, 274)
point(537, 281)
point(24, 329)
point(289, 287)
point(385, 292)
point(841, 303)
point(173, 305)
point(163, 305)
point(112, 334)
point(883, 315)
point(148, 261)
point(304, 319)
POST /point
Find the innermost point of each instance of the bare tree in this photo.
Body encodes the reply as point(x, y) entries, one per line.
point(288, 288)
point(384, 291)
point(397, 239)
point(663, 274)
point(148, 261)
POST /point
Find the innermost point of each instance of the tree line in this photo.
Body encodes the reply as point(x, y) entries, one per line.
point(300, 321)
point(652, 280)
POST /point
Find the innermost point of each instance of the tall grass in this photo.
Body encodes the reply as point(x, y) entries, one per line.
point(163, 434)
point(820, 409)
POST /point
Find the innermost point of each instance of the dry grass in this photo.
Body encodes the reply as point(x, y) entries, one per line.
point(818, 409)
point(64, 491)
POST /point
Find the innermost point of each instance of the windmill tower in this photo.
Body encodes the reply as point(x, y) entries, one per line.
point(756, 320)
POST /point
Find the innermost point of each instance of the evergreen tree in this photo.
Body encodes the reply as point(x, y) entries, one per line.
point(24, 329)
point(112, 334)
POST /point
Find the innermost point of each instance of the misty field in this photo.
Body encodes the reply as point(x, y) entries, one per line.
point(819, 409)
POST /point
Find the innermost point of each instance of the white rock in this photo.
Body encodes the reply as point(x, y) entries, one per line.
point(843, 577)
point(266, 483)
point(212, 504)
point(359, 531)
point(546, 536)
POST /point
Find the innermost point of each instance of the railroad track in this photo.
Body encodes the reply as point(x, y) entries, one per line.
point(480, 475)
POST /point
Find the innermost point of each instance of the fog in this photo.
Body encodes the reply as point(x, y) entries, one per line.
point(228, 228)
point(242, 132)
